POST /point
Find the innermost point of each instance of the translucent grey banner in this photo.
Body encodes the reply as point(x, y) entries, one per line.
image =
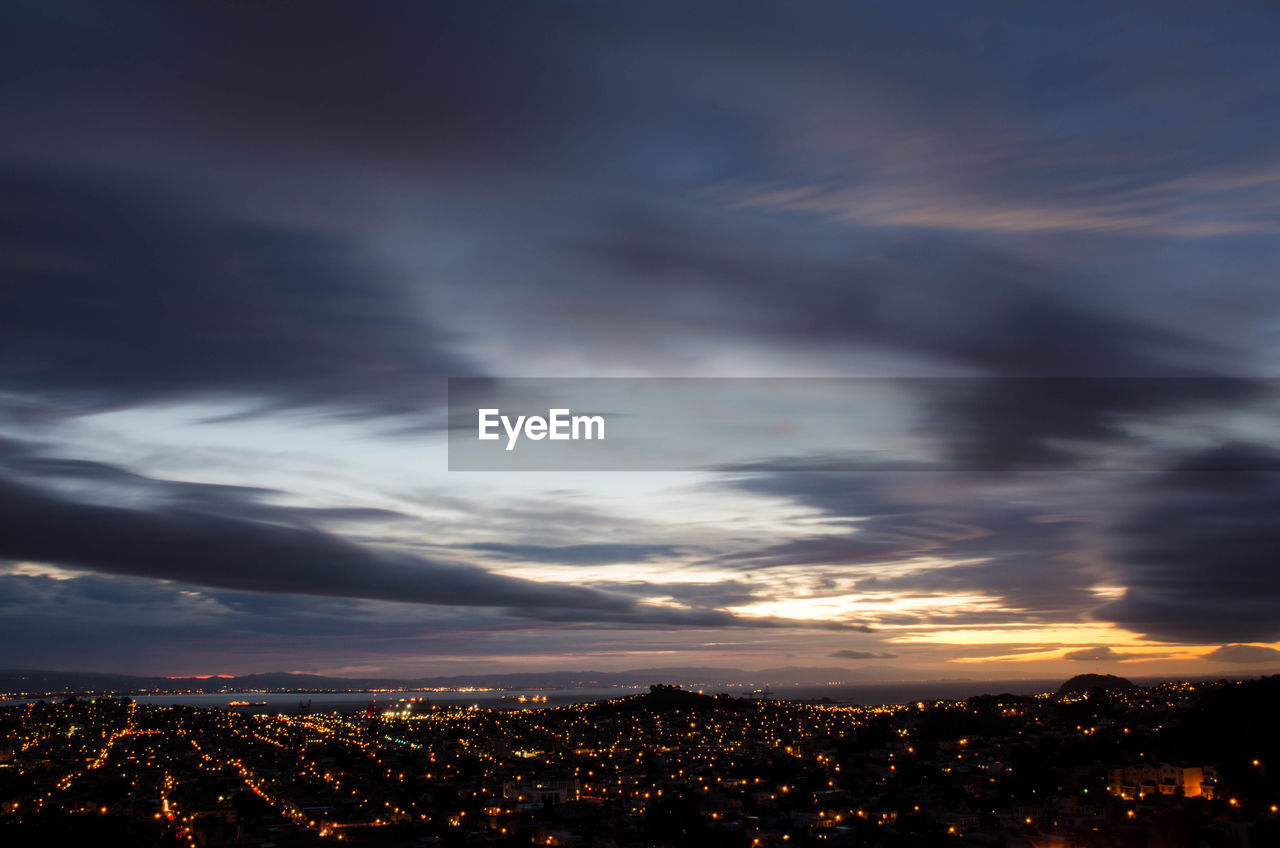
point(863, 424)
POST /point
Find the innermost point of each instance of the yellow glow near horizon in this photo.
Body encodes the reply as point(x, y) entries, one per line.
point(1150, 653)
point(852, 606)
point(1083, 634)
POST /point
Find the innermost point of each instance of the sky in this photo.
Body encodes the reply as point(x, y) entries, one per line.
point(245, 245)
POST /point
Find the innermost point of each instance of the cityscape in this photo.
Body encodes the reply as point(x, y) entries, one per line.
point(671, 424)
point(1099, 762)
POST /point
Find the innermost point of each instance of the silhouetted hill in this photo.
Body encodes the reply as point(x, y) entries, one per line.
point(665, 699)
point(1232, 725)
point(1083, 683)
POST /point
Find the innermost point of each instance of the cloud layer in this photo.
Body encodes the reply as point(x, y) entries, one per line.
point(242, 245)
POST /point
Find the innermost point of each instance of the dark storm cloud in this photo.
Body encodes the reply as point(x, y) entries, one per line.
point(566, 92)
point(116, 298)
point(1073, 423)
point(170, 626)
point(483, 97)
point(213, 549)
point(1064, 376)
point(1244, 654)
point(224, 536)
point(418, 82)
point(98, 620)
point(977, 307)
point(681, 93)
point(847, 495)
point(1196, 552)
point(861, 655)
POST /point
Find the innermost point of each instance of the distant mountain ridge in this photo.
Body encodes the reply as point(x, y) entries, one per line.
point(43, 681)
